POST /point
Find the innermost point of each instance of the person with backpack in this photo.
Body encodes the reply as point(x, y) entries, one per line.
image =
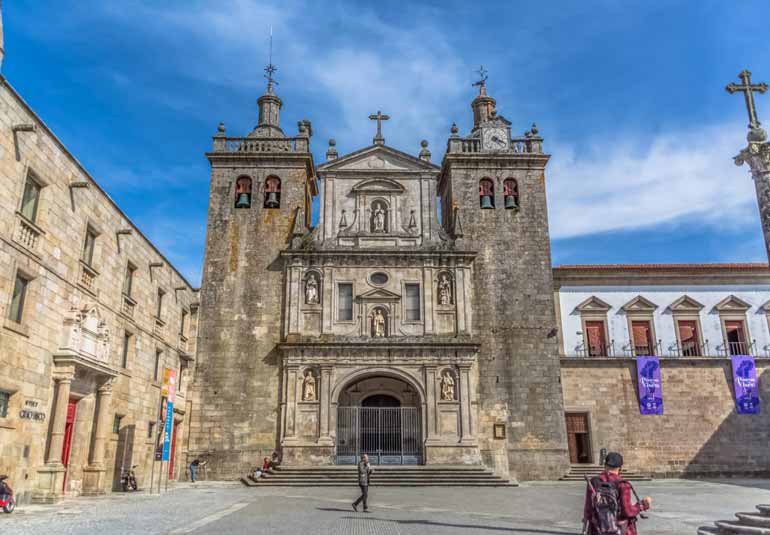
point(608, 509)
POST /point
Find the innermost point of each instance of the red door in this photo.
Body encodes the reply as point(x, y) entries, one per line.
point(642, 338)
point(688, 336)
point(597, 346)
point(172, 453)
point(67, 446)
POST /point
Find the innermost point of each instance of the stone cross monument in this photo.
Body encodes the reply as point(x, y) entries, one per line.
point(757, 153)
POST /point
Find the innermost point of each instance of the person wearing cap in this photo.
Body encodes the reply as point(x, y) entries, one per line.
point(613, 463)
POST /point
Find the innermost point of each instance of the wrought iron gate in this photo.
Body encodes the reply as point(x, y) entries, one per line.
point(389, 435)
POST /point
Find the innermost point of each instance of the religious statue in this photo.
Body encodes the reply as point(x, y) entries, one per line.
point(444, 290)
point(379, 218)
point(378, 322)
point(311, 290)
point(447, 387)
point(308, 387)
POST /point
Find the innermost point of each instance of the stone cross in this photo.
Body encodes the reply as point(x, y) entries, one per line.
point(379, 117)
point(747, 88)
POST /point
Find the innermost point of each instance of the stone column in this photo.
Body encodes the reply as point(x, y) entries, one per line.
point(291, 404)
point(757, 155)
point(93, 474)
point(467, 433)
point(326, 383)
point(431, 416)
point(64, 382)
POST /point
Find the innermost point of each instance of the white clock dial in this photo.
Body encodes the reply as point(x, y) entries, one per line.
point(495, 139)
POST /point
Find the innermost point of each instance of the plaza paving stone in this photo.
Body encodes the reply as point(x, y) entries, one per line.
point(228, 508)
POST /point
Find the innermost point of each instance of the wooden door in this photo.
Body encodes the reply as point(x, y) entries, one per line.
point(72, 407)
point(736, 337)
point(688, 338)
point(597, 344)
point(642, 338)
point(578, 438)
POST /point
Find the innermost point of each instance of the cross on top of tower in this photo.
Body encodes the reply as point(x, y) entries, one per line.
point(379, 117)
point(747, 88)
point(270, 69)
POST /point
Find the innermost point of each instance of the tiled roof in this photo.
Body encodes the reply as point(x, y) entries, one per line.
point(738, 266)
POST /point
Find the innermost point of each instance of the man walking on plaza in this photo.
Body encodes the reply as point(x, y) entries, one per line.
point(364, 471)
point(608, 507)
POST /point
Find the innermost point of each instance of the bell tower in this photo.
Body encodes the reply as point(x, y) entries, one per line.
point(495, 183)
point(261, 189)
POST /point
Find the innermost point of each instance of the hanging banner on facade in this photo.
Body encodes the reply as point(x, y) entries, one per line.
point(650, 391)
point(745, 384)
point(169, 389)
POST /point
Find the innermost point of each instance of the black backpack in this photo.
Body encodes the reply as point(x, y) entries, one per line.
point(605, 504)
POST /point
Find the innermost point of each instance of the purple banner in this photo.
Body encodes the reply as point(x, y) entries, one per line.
point(745, 384)
point(650, 393)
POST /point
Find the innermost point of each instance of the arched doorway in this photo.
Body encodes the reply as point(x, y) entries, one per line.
point(379, 416)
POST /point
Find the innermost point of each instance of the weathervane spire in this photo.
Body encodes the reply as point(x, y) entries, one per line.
point(270, 69)
point(482, 82)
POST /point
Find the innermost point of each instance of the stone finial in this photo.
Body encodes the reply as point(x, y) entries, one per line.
point(534, 129)
point(331, 154)
point(305, 128)
point(221, 128)
point(424, 153)
point(454, 129)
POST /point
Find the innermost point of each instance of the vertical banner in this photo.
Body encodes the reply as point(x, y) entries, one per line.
point(168, 391)
point(745, 384)
point(650, 392)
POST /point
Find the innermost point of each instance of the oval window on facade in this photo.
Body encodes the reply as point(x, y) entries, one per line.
point(378, 278)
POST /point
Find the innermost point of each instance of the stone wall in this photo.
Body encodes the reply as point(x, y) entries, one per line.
point(700, 432)
point(49, 254)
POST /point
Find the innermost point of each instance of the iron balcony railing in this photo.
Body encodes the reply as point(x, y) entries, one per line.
point(676, 349)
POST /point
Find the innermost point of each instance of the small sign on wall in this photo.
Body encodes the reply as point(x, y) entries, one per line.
point(498, 431)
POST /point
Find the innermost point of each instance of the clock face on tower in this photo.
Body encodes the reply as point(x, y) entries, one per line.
point(495, 139)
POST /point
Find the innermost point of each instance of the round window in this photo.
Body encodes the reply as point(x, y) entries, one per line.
point(378, 278)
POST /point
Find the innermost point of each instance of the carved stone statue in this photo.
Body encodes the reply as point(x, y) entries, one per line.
point(308, 387)
point(447, 387)
point(379, 218)
point(444, 290)
point(378, 322)
point(311, 290)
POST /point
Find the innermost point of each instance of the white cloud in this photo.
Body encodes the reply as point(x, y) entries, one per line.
point(626, 183)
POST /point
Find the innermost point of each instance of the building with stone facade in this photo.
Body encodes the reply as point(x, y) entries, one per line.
point(90, 314)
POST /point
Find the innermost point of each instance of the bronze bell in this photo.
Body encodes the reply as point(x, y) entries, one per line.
point(510, 201)
point(272, 200)
point(486, 201)
point(244, 200)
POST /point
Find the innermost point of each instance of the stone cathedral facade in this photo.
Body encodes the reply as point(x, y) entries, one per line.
point(381, 329)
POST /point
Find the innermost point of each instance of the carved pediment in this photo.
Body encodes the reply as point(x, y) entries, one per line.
point(379, 294)
point(732, 304)
point(377, 158)
point(593, 304)
point(86, 333)
point(639, 304)
point(685, 304)
point(378, 185)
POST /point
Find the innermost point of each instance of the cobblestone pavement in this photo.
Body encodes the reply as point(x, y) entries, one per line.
point(228, 508)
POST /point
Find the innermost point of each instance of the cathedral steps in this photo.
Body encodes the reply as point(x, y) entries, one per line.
point(383, 476)
point(578, 472)
point(755, 523)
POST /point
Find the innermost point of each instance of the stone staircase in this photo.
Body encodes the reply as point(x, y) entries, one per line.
point(755, 523)
point(577, 472)
point(383, 476)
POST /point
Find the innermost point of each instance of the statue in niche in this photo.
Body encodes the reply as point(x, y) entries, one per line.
point(444, 290)
point(308, 387)
point(447, 387)
point(378, 218)
point(378, 323)
point(311, 290)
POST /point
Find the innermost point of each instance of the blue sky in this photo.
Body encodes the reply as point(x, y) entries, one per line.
point(629, 97)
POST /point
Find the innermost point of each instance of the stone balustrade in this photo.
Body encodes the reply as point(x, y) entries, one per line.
point(27, 235)
point(518, 145)
point(249, 145)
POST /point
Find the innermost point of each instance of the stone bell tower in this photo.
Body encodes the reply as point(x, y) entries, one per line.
point(495, 184)
point(261, 190)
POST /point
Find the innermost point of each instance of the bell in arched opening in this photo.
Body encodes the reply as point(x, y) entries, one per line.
point(511, 194)
point(486, 194)
point(272, 192)
point(243, 192)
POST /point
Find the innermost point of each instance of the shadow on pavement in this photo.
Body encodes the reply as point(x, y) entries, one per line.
point(463, 526)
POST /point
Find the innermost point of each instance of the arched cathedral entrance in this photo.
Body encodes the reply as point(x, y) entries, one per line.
point(379, 416)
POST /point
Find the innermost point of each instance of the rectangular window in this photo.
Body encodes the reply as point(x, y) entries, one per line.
point(150, 429)
point(4, 399)
point(88, 247)
point(412, 302)
point(596, 342)
point(127, 339)
point(116, 423)
point(128, 281)
point(688, 338)
point(642, 338)
point(158, 355)
point(30, 199)
point(345, 301)
point(159, 311)
point(736, 337)
point(16, 311)
point(182, 323)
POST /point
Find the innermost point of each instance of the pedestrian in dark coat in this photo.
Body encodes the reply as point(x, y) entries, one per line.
point(364, 471)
